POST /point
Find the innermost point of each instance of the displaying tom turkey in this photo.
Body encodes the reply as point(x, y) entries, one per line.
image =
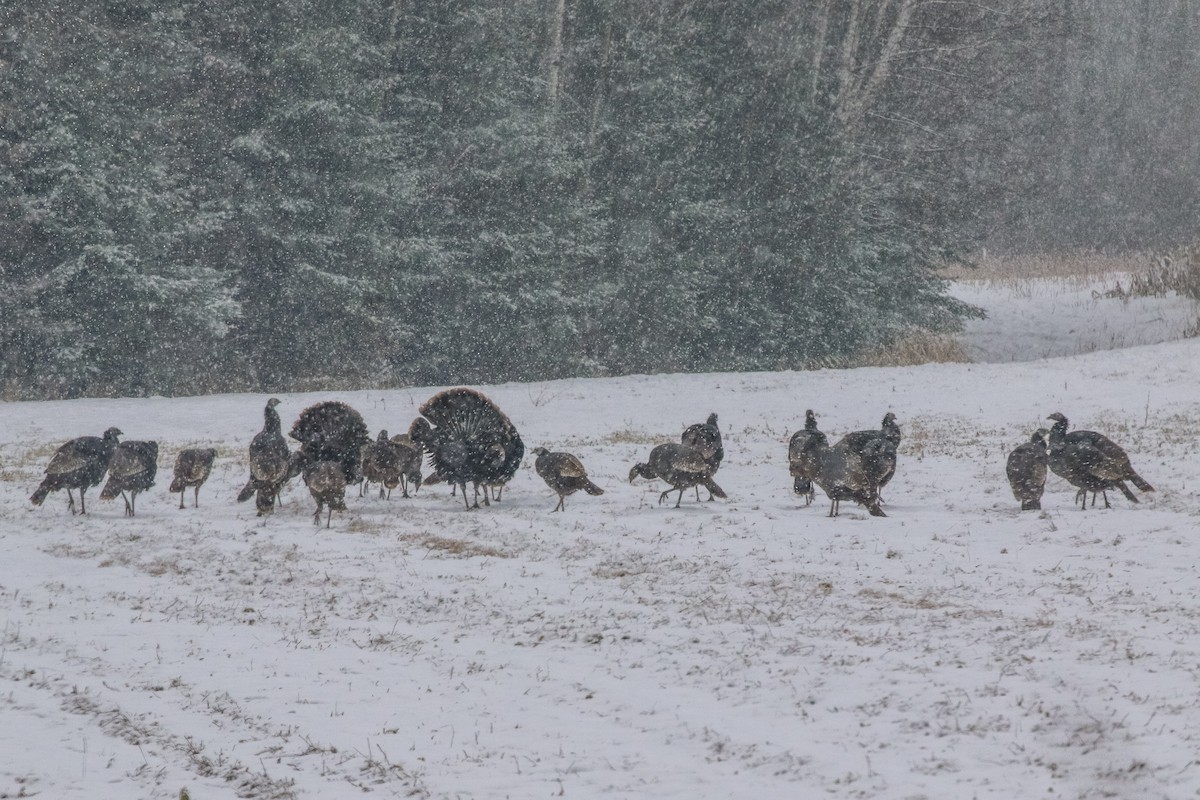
point(1026, 470)
point(706, 437)
point(681, 466)
point(326, 481)
point(269, 462)
point(469, 440)
point(1091, 462)
point(77, 464)
point(333, 431)
point(192, 468)
point(797, 466)
point(132, 469)
point(841, 473)
point(563, 473)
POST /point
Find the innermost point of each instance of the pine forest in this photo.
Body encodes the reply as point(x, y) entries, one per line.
point(216, 195)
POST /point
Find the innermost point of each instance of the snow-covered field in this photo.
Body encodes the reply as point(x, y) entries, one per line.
point(751, 648)
point(1031, 319)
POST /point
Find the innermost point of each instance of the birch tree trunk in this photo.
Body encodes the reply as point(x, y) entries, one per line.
point(867, 64)
point(554, 50)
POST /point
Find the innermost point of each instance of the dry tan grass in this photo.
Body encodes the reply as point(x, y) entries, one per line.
point(1149, 274)
point(460, 548)
point(912, 350)
point(629, 436)
point(1083, 266)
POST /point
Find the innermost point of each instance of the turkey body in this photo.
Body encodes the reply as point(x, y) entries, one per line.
point(1026, 471)
point(411, 457)
point(469, 440)
point(841, 473)
point(802, 483)
point(564, 473)
point(192, 468)
point(1091, 462)
point(681, 466)
point(706, 437)
point(132, 469)
point(381, 464)
point(878, 450)
point(77, 464)
point(333, 431)
point(269, 462)
point(326, 481)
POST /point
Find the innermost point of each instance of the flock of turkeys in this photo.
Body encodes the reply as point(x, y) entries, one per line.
point(467, 440)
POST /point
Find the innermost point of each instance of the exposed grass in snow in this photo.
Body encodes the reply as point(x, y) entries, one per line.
point(1045, 307)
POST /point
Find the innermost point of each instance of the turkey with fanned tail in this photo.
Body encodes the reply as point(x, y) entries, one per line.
point(332, 431)
point(469, 440)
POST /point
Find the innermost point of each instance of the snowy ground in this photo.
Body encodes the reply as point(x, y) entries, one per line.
point(1030, 319)
point(752, 648)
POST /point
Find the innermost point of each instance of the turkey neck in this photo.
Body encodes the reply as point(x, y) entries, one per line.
point(1058, 434)
point(271, 421)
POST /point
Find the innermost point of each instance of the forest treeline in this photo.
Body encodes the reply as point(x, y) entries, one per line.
point(208, 195)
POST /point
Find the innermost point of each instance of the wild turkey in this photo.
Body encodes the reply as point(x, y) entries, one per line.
point(411, 457)
point(132, 469)
point(333, 431)
point(469, 440)
point(879, 459)
point(381, 464)
point(192, 468)
point(801, 481)
point(326, 482)
point(77, 464)
point(841, 474)
point(269, 462)
point(497, 486)
point(705, 437)
point(564, 473)
point(680, 466)
point(1026, 470)
point(1091, 462)
point(296, 462)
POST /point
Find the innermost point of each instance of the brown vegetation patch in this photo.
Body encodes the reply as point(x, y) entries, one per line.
point(914, 350)
point(459, 548)
point(1084, 266)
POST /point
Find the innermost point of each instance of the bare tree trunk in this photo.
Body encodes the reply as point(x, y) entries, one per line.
point(601, 88)
point(818, 54)
point(554, 47)
point(849, 64)
point(857, 92)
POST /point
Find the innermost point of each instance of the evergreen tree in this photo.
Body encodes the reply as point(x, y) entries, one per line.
point(92, 210)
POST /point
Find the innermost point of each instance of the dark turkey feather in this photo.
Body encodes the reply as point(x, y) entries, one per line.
point(132, 469)
point(1091, 462)
point(77, 464)
point(333, 431)
point(469, 440)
